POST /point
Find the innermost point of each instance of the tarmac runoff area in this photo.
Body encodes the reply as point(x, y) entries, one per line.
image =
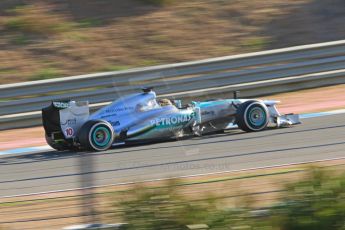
point(318, 138)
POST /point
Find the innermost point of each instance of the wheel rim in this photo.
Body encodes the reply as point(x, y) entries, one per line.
point(101, 136)
point(257, 116)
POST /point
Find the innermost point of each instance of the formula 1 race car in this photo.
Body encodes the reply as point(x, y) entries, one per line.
point(141, 118)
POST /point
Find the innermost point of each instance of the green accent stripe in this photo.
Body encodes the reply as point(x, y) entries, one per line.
point(142, 131)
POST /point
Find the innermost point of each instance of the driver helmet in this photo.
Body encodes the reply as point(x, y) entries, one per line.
point(164, 102)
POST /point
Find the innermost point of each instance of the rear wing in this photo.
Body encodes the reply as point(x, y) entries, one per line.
point(65, 117)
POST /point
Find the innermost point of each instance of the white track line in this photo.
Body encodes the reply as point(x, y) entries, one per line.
point(178, 177)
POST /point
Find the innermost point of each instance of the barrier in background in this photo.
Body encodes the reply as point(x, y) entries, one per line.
point(259, 73)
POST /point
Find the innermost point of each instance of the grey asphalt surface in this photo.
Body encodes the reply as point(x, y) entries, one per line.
point(316, 139)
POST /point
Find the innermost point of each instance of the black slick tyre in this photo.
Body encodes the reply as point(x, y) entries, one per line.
point(96, 135)
point(252, 116)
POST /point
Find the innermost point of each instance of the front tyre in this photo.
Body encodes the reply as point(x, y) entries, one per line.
point(252, 116)
point(96, 135)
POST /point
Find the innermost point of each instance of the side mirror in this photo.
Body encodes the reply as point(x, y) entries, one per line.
point(236, 94)
point(178, 103)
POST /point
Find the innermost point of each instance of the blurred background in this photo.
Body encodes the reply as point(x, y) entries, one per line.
point(46, 39)
point(54, 38)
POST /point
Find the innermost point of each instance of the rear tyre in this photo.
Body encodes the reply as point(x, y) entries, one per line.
point(252, 116)
point(96, 135)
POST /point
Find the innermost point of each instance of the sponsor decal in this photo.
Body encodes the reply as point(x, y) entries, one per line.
point(70, 122)
point(119, 109)
point(172, 120)
point(211, 112)
point(109, 115)
point(69, 132)
point(60, 104)
point(115, 123)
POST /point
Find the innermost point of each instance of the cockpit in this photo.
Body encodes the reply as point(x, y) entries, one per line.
point(147, 105)
point(164, 102)
point(153, 104)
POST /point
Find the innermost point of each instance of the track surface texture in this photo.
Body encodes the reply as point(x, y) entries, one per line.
point(316, 139)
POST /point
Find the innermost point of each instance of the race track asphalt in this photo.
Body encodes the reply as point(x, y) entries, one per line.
point(316, 139)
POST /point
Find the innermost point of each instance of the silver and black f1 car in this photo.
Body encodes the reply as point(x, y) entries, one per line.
point(141, 117)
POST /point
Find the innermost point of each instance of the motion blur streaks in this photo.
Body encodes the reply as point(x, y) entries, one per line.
point(54, 38)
